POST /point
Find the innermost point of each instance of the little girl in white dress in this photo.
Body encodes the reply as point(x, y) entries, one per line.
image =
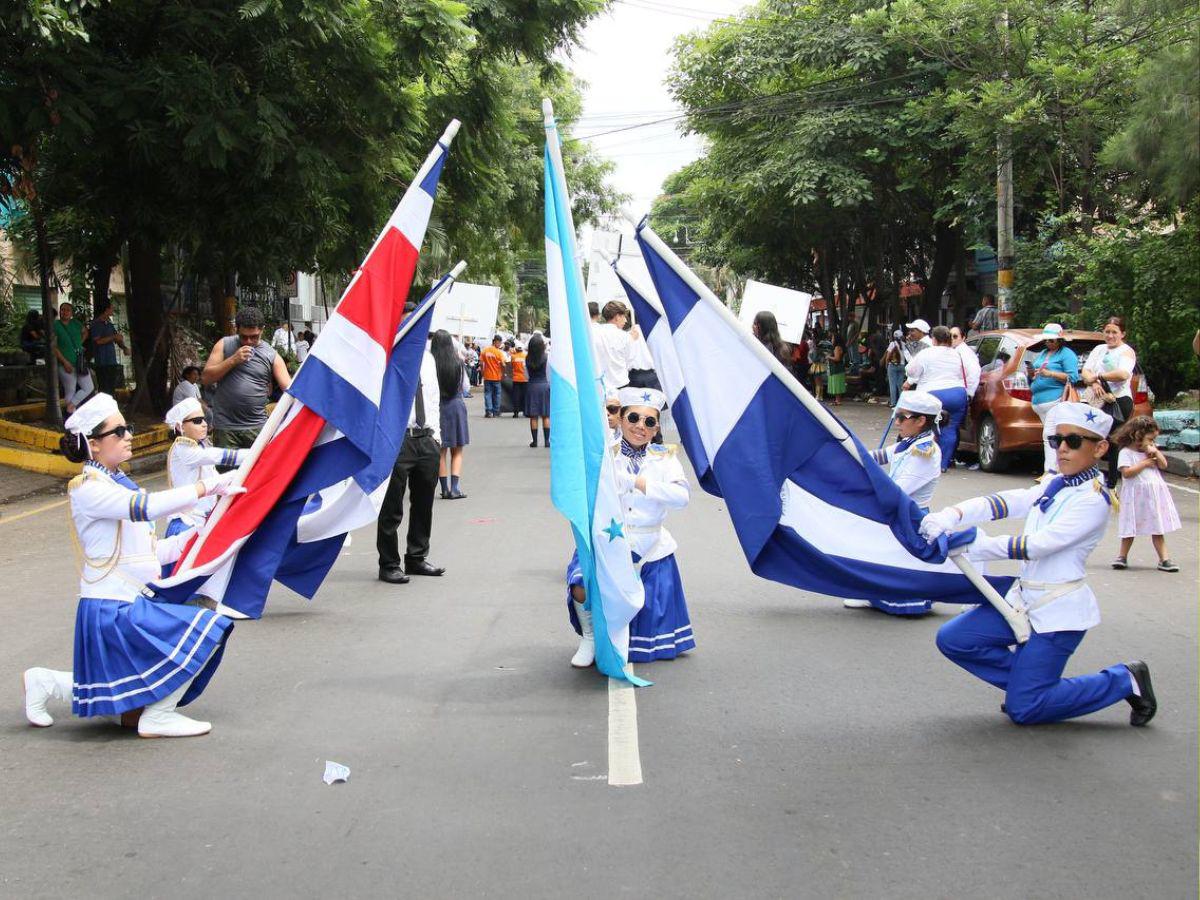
point(1146, 504)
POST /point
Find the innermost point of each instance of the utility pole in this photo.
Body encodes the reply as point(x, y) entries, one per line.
point(1004, 201)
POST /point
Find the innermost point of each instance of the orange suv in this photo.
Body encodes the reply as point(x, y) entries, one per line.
point(1001, 421)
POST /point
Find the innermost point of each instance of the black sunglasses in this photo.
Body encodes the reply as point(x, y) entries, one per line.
point(1074, 441)
point(199, 420)
point(120, 431)
point(614, 409)
point(904, 417)
point(633, 418)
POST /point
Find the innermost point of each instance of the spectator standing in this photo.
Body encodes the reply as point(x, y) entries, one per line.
point(986, 319)
point(454, 432)
point(105, 341)
point(33, 336)
point(1146, 505)
point(916, 339)
point(894, 358)
point(492, 360)
point(537, 399)
point(940, 371)
point(243, 368)
point(520, 377)
point(303, 345)
point(800, 363)
point(613, 345)
point(821, 348)
point(1052, 373)
point(284, 338)
point(1108, 372)
point(836, 381)
point(415, 472)
point(189, 387)
point(766, 328)
point(73, 374)
point(971, 368)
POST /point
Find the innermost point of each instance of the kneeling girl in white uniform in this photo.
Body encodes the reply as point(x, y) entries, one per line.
point(651, 482)
point(192, 459)
point(1064, 521)
point(915, 464)
point(132, 654)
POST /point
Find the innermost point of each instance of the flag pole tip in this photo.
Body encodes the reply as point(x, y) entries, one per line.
point(548, 109)
point(451, 131)
point(629, 217)
point(458, 269)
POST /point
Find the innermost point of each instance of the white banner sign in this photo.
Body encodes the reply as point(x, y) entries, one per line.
point(468, 310)
point(790, 308)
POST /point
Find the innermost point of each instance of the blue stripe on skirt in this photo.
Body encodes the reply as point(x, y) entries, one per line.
point(128, 655)
point(662, 630)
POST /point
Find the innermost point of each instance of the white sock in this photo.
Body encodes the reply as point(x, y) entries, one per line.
point(1137, 691)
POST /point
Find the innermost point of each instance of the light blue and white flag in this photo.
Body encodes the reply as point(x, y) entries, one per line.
point(809, 505)
point(583, 484)
point(656, 330)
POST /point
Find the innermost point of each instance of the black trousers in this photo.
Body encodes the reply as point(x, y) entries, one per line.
point(415, 471)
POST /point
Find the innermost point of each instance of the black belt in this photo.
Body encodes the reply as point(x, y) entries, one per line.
point(418, 432)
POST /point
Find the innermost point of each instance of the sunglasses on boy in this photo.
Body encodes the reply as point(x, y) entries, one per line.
point(198, 420)
point(633, 418)
point(614, 409)
point(120, 431)
point(1074, 441)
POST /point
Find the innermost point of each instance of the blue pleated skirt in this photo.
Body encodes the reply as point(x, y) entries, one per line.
point(455, 432)
point(662, 630)
point(537, 399)
point(128, 655)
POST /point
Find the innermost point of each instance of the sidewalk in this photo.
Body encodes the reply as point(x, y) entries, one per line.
point(18, 484)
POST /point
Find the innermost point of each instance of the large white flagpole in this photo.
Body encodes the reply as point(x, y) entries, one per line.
point(1016, 618)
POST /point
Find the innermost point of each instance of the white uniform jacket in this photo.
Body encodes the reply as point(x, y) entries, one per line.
point(115, 530)
point(666, 489)
point(916, 468)
point(1053, 546)
point(189, 461)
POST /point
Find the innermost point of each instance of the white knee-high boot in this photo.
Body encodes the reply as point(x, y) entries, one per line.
point(159, 719)
point(586, 654)
point(42, 685)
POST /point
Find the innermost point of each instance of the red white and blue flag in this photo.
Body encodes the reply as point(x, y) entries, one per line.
point(342, 420)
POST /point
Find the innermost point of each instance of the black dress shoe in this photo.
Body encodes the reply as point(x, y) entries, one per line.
point(446, 495)
point(1145, 706)
point(393, 575)
point(421, 567)
point(458, 495)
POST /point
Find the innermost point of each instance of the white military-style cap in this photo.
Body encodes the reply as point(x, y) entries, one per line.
point(922, 403)
point(631, 396)
point(1089, 418)
point(187, 408)
point(85, 419)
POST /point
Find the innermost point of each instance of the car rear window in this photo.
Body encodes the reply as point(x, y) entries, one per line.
point(1080, 346)
point(985, 349)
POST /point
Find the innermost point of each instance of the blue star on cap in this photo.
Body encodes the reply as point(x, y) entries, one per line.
point(1091, 416)
point(646, 396)
point(614, 530)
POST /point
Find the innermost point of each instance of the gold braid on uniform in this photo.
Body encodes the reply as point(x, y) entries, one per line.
point(105, 566)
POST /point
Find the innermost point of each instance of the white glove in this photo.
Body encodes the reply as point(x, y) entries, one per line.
point(222, 485)
point(936, 524)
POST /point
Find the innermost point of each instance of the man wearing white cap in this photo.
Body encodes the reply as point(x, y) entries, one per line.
point(1064, 521)
point(191, 459)
point(127, 658)
point(651, 483)
point(915, 464)
point(1051, 373)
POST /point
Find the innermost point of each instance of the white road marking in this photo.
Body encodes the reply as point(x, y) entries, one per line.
point(624, 757)
point(1180, 487)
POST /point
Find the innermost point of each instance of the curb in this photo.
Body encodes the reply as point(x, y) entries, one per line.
point(148, 460)
point(1177, 465)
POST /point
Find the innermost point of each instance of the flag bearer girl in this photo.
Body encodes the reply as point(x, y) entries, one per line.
point(192, 459)
point(651, 482)
point(132, 655)
point(1064, 521)
point(915, 464)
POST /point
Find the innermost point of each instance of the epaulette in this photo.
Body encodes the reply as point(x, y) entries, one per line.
point(925, 449)
point(664, 451)
point(186, 440)
point(81, 478)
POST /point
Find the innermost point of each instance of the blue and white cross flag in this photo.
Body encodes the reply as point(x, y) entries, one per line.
point(583, 485)
point(809, 505)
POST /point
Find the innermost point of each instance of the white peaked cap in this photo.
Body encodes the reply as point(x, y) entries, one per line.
point(85, 419)
point(185, 409)
point(1097, 421)
point(919, 324)
point(631, 396)
point(920, 402)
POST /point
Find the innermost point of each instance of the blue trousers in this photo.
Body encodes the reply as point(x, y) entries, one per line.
point(491, 397)
point(955, 402)
point(896, 376)
point(1030, 675)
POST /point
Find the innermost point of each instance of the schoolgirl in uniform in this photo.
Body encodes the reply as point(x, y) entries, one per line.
point(132, 654)
point(651, 483)
point(1064, 521)
point(192, 459)
point(915, 464)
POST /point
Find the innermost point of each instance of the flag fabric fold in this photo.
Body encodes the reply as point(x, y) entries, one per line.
point(582, 477)
point(336, 422)
point(807, 512)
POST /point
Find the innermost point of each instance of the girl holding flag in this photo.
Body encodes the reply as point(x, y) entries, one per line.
point(651, 482)
point(192, 459)
point(132, 654)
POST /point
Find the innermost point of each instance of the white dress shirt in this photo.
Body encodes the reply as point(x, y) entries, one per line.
point(936, 369)
point(284, 339)
point(1102, 360)
point(971, 365)
point(1054, 545)
point(666, 489)
point(432, 397)
point(614, 355)
point(115, 528)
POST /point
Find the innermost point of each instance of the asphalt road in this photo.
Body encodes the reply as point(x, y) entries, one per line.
point(802, 750)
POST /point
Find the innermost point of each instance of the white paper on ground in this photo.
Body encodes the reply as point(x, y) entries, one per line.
point(335, 772)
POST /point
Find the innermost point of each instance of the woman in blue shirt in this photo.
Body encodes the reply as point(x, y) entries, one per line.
point(1053, 369)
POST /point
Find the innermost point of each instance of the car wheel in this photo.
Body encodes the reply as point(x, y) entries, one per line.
point(990, 457)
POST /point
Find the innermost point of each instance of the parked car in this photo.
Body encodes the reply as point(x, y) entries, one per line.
point(1001, 421)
